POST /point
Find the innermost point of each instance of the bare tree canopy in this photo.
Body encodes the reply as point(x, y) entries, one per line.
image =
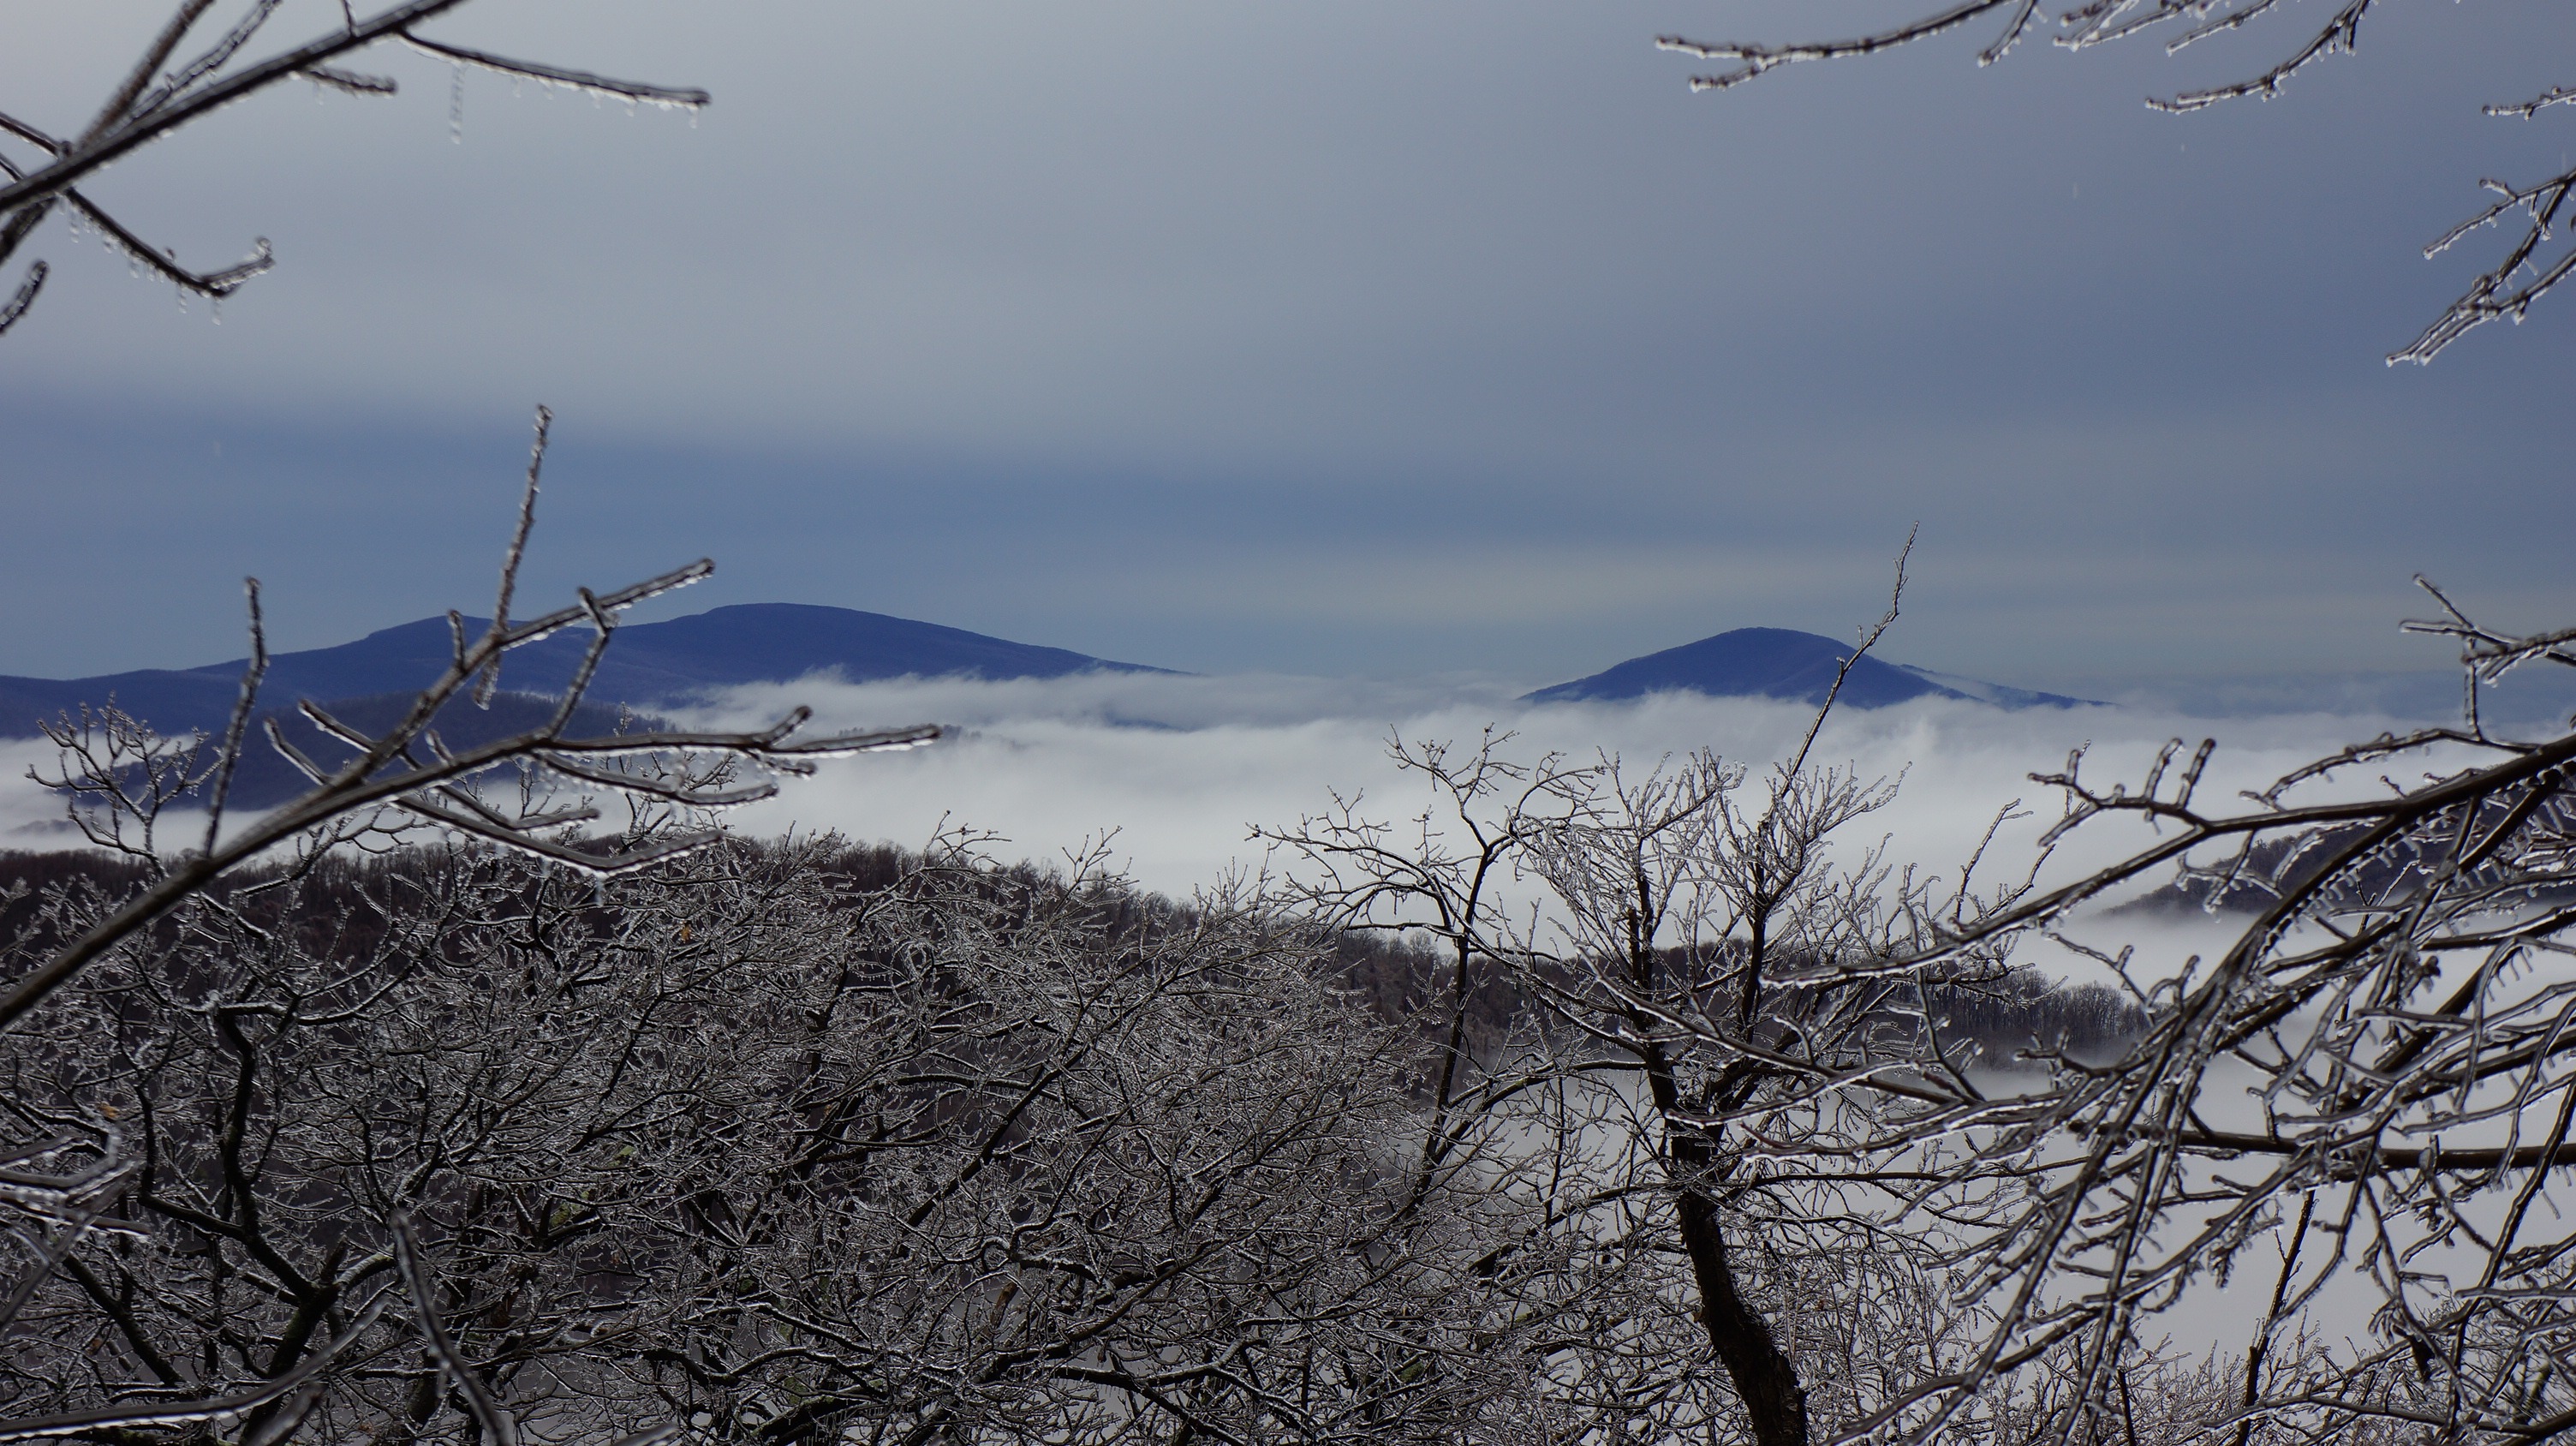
point(2530, 267)
point(493, 1093)
point(73, 1159)
point(1886, 1224)
point(1686, 1116)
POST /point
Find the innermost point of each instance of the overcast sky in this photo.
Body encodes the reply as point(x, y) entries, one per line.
point(1385, 338)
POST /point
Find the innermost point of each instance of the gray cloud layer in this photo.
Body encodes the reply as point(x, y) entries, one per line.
point(1323, 337)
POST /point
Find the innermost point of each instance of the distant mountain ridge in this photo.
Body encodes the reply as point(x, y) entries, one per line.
point(651, 665)
point(657, 666)
point(1789, 665)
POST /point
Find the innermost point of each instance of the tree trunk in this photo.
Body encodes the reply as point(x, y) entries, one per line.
point(1764, 1375)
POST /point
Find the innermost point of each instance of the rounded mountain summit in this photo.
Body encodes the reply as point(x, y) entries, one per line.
point(1789, 665)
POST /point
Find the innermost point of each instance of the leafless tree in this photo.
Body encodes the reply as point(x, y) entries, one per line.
point(162, 93)
point(2356, 1115)
point(130, 776)
point(76, 1153)
point(647, 1131)
point(2354, 1120)
point(1693, 1097)
point(2529, 269)
point(2364, 1102)
point(404, 1111)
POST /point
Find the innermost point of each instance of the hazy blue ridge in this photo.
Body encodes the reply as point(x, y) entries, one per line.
point(2000, 694)
point(1789, 665)
point(650, 665)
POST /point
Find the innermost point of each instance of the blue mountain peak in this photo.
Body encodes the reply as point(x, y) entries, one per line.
point(650, 665)
point(1789, 665)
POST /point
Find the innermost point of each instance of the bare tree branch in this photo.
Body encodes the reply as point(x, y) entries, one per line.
point(141, 110)
point(2508, 291)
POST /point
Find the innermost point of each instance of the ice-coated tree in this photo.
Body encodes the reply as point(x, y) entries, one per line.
point(778, 1143)
point(85, 1146)
point(1765, 1146)
point(1700, 1119)
point(2361, 1109)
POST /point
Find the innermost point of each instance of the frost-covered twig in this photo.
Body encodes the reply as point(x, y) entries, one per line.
point(153, 101)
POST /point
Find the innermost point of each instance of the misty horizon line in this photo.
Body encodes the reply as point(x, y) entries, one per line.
point(2395, 692)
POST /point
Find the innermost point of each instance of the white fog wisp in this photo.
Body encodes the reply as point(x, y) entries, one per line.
point(1180, 768)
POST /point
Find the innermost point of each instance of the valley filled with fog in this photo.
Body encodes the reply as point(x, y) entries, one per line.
point(1180, 768)
point(1275, 828)
point(1173, 771)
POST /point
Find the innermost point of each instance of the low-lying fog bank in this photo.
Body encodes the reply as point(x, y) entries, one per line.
point(1180, 766)
point(1177, 769)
